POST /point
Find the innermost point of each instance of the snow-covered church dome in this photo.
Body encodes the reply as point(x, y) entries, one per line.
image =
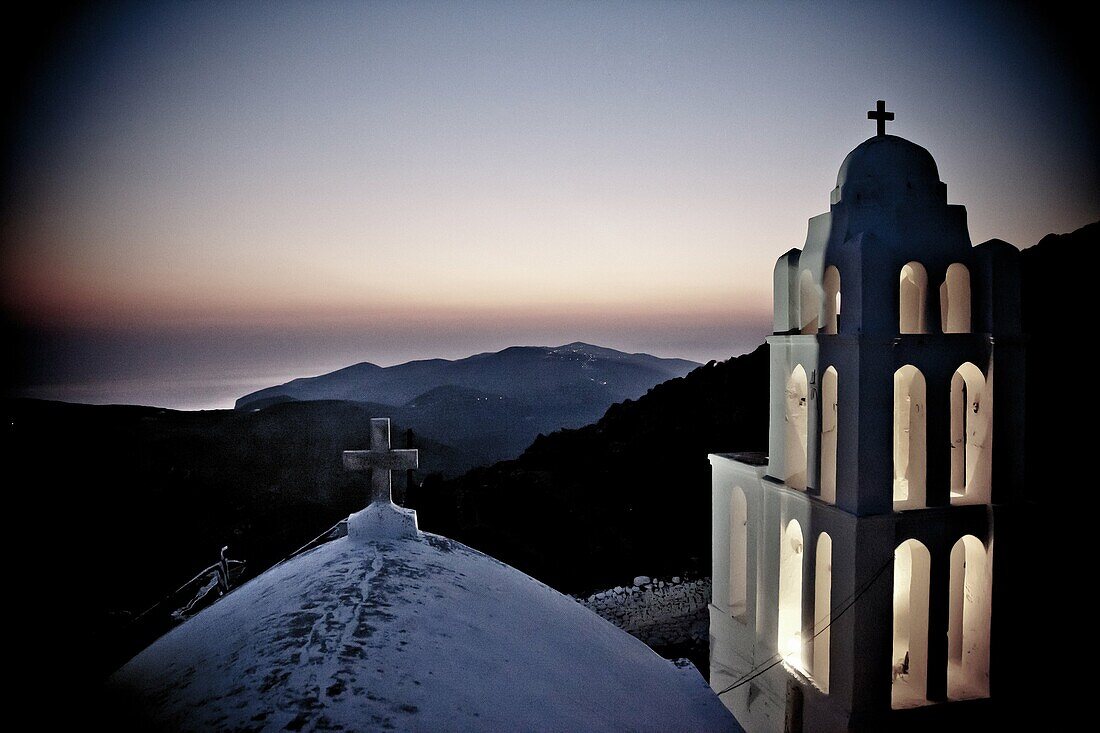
point(392, 628)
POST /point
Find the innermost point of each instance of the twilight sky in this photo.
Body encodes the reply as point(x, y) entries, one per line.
point(201, 198)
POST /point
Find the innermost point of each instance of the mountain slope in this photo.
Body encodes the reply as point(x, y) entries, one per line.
point(586, 508)
point(1057, 306)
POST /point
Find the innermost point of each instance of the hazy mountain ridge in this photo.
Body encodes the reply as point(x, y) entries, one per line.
point(489, 406)
point(533, 373)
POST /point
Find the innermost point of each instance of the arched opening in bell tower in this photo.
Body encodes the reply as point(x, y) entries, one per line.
point(831, 284)
point(789, 637)
point(971, 437)
point(955, 300)
point(739, 555)
point(913, 299)
point(796, 413)
point(910, 450)
point(909, 660)
point(968, 620)
point(829, 424)
point(823, 590)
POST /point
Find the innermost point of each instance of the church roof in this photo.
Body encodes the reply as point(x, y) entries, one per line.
point(888, 156)
point(412, 632)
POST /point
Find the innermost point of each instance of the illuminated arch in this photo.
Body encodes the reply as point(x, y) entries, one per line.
point(909, 659)
point(796, 415)
point(968, 620)
point(789, 636)
point(955, 300)
point(913, 299)
point(971, 436)
point(910, 449)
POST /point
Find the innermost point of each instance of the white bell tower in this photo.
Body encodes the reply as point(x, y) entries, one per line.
point(853, 565)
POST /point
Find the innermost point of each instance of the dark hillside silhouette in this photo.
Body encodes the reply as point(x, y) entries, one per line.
point(125, 503)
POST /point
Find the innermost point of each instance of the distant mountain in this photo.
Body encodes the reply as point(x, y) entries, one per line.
point(489, 407)
point(574, 373)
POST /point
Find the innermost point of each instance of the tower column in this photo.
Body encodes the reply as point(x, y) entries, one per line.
point(938, 439)
point(939, 587)
point(813, 435)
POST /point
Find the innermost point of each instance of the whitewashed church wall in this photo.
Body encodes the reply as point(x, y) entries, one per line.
point(739, 645)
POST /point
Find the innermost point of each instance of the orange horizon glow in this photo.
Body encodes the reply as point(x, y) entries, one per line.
point(426, 179)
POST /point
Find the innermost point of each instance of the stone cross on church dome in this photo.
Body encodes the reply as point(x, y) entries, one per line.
point(380, 459)
point(382, 519)
point(881, 116)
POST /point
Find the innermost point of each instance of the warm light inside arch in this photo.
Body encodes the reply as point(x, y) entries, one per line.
point(971, 436)
point(913, 299)
point(912, 569)
point(789, 636)
point(955, 300)
point(796, 414)
point(910, 441)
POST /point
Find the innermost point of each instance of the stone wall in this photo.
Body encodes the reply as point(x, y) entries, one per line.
point(659, 612)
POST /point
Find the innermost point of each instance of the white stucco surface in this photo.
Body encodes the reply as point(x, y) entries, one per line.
point(413, 633)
